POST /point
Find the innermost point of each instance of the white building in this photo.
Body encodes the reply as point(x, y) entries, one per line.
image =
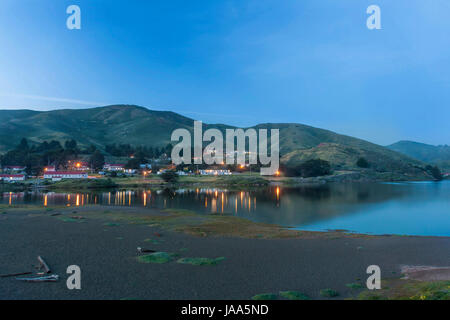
point(65, 175)
point(14, 168)
point(214, 172)
point(12, 177)
point(113, 167)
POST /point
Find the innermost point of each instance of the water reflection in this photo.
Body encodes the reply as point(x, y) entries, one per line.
point(330, 206)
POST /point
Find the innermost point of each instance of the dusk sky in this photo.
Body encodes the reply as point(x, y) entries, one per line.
point(238, 62)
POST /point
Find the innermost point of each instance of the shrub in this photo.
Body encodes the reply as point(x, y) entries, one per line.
point(310, 168)
point(362, 163)
point(169, 176)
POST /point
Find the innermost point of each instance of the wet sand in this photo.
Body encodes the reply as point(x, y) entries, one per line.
point(106, 254)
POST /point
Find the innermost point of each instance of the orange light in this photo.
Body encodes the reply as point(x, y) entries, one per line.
point(78, 165)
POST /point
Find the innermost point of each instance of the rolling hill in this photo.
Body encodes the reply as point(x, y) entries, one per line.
point(438, 155)
point(140, 126)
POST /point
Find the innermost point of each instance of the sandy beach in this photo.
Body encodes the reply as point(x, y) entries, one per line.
point(105, 248)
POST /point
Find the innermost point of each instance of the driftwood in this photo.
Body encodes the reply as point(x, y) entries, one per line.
point(52, 278)
point(43, 264)
point(142, 250)
point(14, 274)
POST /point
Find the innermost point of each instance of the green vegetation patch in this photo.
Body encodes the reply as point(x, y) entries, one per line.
point(294, 295)
point(111, 224)
point(328, 293)
point(354, 285)
point(80, 184)
point(265, 296)
point(157, 257)
point(69, 219)
point(201, 261)
point(400, 289)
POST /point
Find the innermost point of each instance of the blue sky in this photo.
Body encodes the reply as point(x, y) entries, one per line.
point(238, 62)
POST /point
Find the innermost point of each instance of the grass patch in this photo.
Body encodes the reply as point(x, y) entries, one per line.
point(111, 224)
point(157, 257)
point(328, 293)
point(400, 289)
point(201, 261)
point(294, 295)
point(81, 184)
point(265, 296)
point(69, 219)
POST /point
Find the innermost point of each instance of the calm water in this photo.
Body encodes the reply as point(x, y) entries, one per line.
point(402, 208)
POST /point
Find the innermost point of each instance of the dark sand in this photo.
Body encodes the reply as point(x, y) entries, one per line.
point(107, 257)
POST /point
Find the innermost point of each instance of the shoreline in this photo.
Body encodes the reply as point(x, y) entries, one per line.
point(103, 242)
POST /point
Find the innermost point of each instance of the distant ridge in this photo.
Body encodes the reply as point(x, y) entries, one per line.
point(135, 125)
point(438, 155)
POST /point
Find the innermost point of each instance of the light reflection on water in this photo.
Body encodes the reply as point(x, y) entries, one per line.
point(406, 208)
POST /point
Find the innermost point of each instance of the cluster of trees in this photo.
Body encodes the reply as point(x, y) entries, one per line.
point(309, 168)
point(127, 150)
point(36, 156)
point(434, 172)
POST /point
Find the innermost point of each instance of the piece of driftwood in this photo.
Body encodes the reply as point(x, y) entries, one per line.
point(77, 217)
point(52, 278)
point(14, 274)
point(142, 250)
point(55, 214)
point(43, 264)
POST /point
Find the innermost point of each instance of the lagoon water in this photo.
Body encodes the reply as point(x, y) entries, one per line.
point(421, 208)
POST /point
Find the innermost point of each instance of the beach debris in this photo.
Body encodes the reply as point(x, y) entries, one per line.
point(51, 278)
point(43, 265)
point(14, 274)
point(77, 217)
point(158, 234)
point(55, 214)
point(143, 250)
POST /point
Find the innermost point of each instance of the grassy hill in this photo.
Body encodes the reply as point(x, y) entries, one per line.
point(140, 126)
point(438, 155)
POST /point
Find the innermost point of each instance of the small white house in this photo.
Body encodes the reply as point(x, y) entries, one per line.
point(65, 175)
point(12, 177)
point(113, 167)
point(14, 168)
point(214, 172)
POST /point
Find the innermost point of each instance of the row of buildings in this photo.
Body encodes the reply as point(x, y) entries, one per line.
point(80, 170)
point(76, 170)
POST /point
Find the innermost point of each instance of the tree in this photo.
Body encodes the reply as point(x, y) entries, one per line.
point(133, 164)
point(70, 144)
point(97, 160)
point(23, 145)
point(309, 168)
point(362, 163)
point(435, 172)
point(169, 176)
